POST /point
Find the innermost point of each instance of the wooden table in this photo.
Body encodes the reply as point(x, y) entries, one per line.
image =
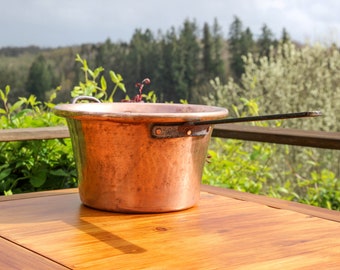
point(227, 230)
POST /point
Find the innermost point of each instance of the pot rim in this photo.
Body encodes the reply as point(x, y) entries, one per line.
point(143, 112)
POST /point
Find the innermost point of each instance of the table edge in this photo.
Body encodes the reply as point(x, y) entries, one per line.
point(37, 194)
point(310, 210)
point(314, 211)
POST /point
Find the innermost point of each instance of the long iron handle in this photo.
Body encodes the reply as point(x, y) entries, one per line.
point(259, 118)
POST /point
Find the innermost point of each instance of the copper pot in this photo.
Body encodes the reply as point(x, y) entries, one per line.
point(139, 157)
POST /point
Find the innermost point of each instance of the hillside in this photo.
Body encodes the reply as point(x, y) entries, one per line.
point(15, 64)
point(180, 62)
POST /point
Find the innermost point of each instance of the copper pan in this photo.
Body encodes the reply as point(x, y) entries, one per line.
point(143, 157)
point(125, 165)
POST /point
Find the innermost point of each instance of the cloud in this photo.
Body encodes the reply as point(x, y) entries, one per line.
point(67, 22)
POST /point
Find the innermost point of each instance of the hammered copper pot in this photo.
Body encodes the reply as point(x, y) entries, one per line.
point(139, 157)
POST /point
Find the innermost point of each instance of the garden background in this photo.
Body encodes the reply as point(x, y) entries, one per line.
point(190, 64)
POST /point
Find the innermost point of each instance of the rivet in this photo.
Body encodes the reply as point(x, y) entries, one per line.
point(189, 132)
point(158, 131)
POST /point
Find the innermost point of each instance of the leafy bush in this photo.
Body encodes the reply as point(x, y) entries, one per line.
point(45, 164)
point(233, 166)
point(318, 186)
point(290, 80)
point(33, 165)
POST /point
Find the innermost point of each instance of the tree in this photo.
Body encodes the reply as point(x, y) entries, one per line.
point(247, 42)
point(240, 43)
point(218, 63)
point(292, 79)
point(40, 78)
point(213, 65)
point(207, 60)
point(265, 40)
point(171, 67)
point(285, 37)
point(104, 54)
point(141, 57)
point(188, 42)
point(112, 56)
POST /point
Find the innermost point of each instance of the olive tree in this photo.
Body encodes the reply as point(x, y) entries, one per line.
point(291, 79)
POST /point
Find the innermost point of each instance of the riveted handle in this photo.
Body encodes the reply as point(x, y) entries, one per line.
point(201, 128)
point(180, 130)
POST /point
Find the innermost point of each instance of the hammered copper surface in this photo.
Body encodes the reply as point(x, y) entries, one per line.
point(122, 168)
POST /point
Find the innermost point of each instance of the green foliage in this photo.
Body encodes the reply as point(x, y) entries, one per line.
point(297, 80)
point(319, 188)
point(231, 165)
point(291, 79)
point(236, 47)
point(307, 176)
point(33, 165)
point(95, 84)
point(235, 165)
point(40, 78)
point(45, 164)
point(174, 61)
point(36, 165)
point(265, 41)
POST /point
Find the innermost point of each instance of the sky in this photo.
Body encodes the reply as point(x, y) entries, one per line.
point(58, 23)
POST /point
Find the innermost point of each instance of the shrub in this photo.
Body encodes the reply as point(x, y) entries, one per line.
point(33, 165)
point(45, 164)
point(290, 80)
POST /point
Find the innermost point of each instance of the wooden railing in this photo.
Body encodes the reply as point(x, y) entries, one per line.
point(318, 139)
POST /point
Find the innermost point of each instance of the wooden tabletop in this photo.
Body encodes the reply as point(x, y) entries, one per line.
point(226, 230)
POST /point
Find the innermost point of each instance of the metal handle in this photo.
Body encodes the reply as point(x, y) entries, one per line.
point(89, 98)
point(201, 128)
point(259, 118)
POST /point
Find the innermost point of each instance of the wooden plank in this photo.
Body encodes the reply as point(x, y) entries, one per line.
point(320, 139)
point(274, 202)
point(43, 133)
point(13, 257)
point(219, 233)
point(38, 194)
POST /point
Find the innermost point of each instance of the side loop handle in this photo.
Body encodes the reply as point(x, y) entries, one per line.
point(79, 98)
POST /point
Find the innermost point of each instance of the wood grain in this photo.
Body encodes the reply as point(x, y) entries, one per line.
point(42, 133)
point(13, 257)
point(38, 194)
point(219, 233)
point(274, 202)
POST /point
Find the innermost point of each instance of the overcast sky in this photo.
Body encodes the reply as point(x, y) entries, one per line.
point(53, 23)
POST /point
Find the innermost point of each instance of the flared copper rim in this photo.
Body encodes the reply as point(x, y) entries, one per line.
point(159, 112)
